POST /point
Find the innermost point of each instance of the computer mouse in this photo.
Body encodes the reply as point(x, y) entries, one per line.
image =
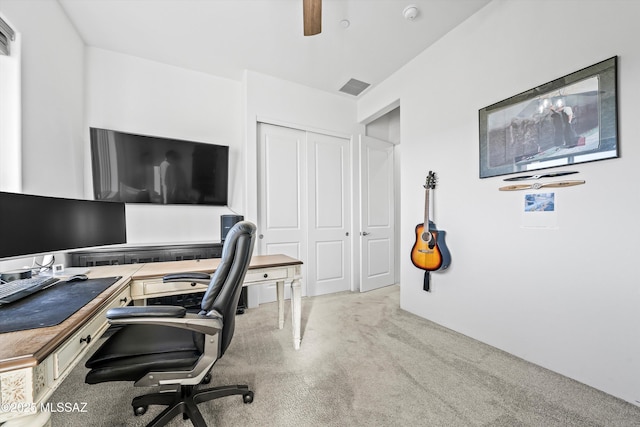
point(77, 277)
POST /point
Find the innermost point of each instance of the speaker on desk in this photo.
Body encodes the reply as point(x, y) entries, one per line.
point(226, 222)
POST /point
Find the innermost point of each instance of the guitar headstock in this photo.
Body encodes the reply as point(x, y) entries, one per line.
point(431, 181)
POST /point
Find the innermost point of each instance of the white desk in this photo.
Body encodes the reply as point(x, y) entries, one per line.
point(281, 269)
point(34, 362)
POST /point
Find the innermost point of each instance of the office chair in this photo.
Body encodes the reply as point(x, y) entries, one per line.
point(167, 347)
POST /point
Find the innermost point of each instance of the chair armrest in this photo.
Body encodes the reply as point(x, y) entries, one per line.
point(209, 324)
point(146, 311)
point(187, 277)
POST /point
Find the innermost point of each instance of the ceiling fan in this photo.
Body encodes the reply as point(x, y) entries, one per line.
point(312, 17)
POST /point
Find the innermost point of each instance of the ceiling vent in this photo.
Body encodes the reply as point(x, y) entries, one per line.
point(354, 87)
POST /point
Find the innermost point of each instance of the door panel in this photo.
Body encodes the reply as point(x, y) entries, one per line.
point(378, 257)
point(281, 208)
point(291, 249)
point(329, 214)
point(330, 260)
point(329, 184)
point(282, 175)
point(377, 209)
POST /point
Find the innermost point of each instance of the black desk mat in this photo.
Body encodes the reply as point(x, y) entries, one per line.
point(51, 306)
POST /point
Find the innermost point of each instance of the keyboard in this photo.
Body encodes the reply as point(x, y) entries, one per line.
point(18, 289)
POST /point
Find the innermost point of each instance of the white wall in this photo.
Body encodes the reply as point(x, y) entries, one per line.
point(10, 111)
point(135, 95)
point(52, 76)
point(566, 298)
point(386, 127)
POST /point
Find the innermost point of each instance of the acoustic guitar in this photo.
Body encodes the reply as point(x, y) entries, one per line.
point(429, 252)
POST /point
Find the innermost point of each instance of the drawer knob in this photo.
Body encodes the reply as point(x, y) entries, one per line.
point(87, 339)
point(193, 283)
point(124, 300)
point(266, 275)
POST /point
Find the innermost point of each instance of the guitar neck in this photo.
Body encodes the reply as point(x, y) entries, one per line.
point(426, 207)
point(428, 185)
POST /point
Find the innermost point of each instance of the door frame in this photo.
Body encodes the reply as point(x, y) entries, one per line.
point(396, 185)
point(386, 146)
point(251, 194)
point(253, 187)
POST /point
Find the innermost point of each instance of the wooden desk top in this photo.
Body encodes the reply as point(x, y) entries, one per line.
point(209, 265)
point(24, 349)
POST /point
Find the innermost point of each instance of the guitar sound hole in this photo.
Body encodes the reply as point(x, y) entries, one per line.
point(426, 236)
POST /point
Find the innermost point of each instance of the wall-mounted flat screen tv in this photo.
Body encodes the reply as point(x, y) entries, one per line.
point(148, 169)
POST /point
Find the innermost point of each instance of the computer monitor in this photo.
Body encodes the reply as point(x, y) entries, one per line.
point(33, 225)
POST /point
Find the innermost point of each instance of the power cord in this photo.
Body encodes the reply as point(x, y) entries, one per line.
point(44, 266)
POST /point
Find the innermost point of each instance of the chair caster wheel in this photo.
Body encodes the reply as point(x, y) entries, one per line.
point(140, 410)
point(206, 379)
point(247, 397)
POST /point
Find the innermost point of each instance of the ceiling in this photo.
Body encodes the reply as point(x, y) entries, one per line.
point(225, 37)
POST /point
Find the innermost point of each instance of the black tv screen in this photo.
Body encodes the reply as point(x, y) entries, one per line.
point(134, 168)
point(33, 225)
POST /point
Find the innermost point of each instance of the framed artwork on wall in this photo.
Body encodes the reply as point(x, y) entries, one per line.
point(570, 120)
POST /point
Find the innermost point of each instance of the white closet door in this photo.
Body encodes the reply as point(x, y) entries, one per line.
point(377, 264)
point(329, 264)
point(304, 205)
point(282, 202)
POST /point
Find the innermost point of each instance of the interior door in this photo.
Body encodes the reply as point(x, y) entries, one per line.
point(377, 234)
point(329, 266)
point(281, 201)
point(304, 205)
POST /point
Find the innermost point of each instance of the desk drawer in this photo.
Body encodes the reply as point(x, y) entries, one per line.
point(265, 275)
point(157, 287)
point(79, 342)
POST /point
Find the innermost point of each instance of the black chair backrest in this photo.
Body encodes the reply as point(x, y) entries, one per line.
point(223, 292)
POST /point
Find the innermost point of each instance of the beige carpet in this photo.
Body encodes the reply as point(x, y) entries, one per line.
point(365, 362)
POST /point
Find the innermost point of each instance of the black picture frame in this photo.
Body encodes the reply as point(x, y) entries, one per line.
point(570, 120)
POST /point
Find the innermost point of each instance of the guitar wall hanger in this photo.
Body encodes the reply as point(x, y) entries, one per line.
point(429, 252)
point(537, 185)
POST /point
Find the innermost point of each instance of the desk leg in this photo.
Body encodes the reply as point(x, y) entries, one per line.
point(280, 294)
point(296, 312)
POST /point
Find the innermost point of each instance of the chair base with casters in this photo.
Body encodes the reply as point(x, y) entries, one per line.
point(184, 400)
point(169, 348)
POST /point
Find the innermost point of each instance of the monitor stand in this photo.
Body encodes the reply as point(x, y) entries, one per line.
point(59, 271)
